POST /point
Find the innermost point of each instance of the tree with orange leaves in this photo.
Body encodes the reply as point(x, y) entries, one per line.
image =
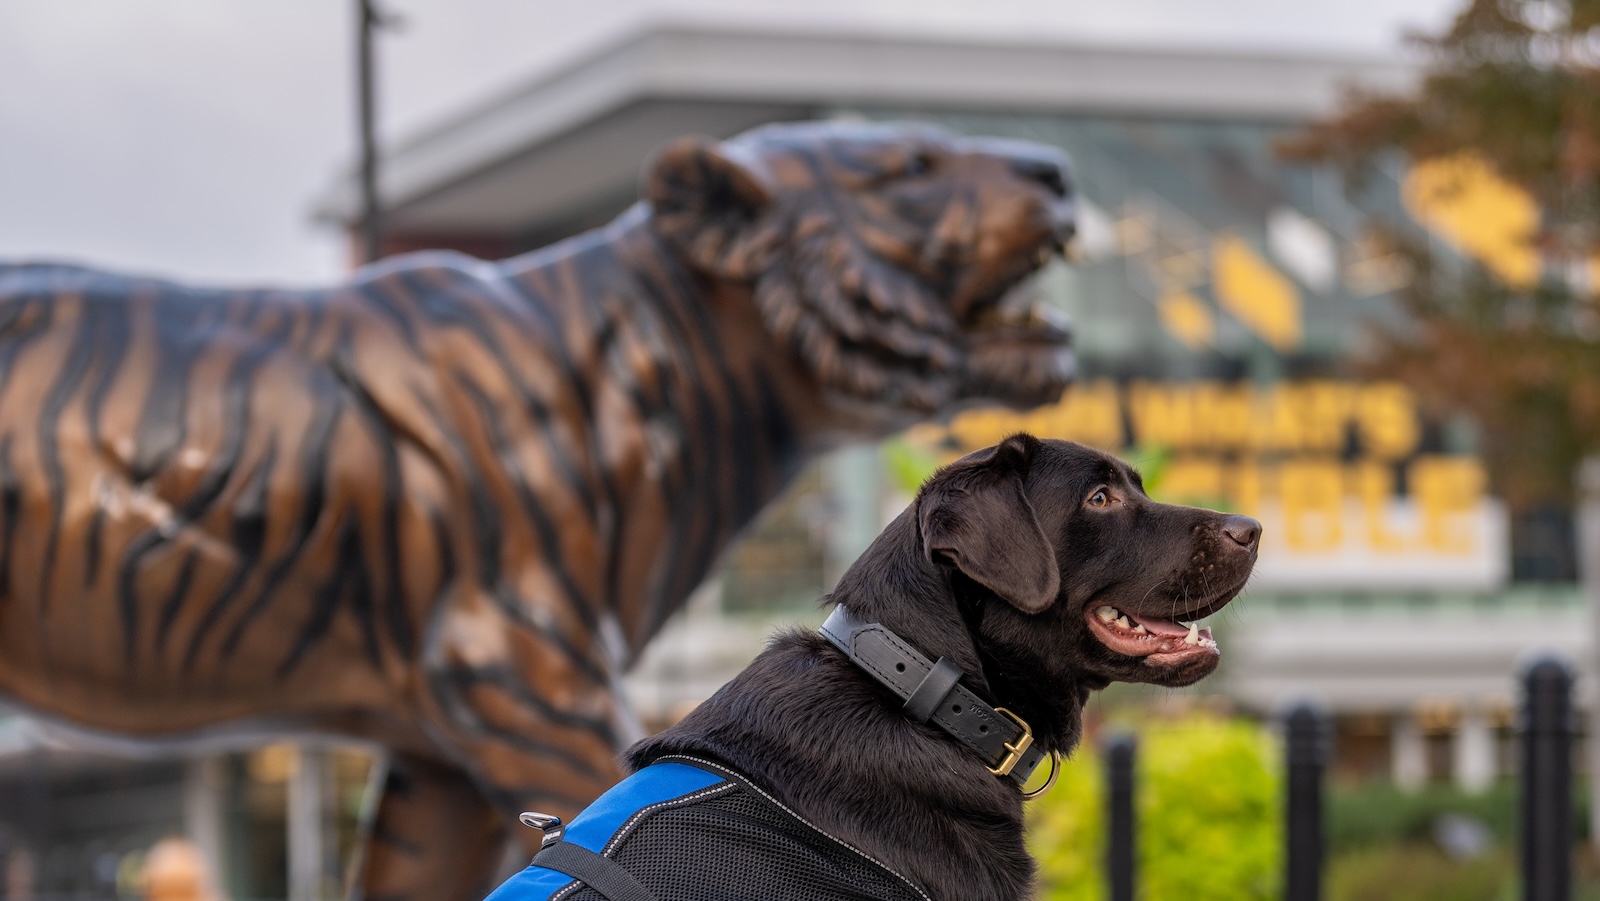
point(1513, 85)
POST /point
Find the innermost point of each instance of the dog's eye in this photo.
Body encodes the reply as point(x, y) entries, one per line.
point(1099, 499)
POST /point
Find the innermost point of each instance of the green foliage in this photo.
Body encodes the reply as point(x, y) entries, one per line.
point(908, 465)
point(1151, 460)
point(1209, 816)
point(1419, 873)
point(1067, 833)
point(1381, 815)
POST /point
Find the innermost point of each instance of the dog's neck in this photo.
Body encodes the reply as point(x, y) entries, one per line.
point(947, 620)
point(811, 727)
point(893, 583)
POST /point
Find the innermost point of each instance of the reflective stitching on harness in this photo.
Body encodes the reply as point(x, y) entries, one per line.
point(632, 822)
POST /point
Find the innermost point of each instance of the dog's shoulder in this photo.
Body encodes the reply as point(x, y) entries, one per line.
point(812, 730)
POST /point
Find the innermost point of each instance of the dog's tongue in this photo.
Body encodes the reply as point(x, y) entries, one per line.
point(1160, 626)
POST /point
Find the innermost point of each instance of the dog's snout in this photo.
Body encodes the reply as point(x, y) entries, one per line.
point(1244, 531)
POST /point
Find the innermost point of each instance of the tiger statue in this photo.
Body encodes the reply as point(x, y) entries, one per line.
point(440, 507)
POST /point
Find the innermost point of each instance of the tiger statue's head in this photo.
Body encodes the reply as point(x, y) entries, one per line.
point(885, 256)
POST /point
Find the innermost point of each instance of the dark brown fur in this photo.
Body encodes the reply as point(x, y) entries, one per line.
point(819, 733)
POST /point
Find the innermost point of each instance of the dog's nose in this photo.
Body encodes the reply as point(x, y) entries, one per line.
point(1244, 531)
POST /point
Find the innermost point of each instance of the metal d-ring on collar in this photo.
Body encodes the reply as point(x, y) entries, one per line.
point(933, 692)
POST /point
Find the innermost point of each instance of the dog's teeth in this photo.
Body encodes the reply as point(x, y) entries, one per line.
point(1207, 643)
point(1123, 622)
point(1194, 633)
point(1106, 614)
point(1139, 627)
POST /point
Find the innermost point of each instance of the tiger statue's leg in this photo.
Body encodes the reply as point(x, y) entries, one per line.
point(530, 721)
point(435, 837)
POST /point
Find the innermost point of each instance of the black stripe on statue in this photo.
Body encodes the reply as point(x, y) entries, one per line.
point(602, 874)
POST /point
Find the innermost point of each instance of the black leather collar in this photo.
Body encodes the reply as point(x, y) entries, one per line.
point(932, 691)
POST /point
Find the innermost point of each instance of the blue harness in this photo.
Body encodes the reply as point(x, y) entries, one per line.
point(684, 829)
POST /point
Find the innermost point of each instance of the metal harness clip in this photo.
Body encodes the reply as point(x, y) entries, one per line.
point(549, 826)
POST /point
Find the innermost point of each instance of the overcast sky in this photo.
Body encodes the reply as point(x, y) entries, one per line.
point(189, 137)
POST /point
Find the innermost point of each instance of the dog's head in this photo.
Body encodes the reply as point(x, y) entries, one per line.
point(1095, 581)
point(882, 255)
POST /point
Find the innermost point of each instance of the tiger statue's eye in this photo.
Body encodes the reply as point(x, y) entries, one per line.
point(918, 164)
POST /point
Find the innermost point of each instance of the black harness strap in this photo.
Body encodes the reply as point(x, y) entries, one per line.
point(602, 874)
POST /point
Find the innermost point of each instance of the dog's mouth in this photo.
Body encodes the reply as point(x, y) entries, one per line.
point(1142, 635)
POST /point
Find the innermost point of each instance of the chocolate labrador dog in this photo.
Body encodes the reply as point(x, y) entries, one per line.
point(963, 647)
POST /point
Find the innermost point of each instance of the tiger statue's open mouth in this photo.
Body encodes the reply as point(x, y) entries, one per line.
point(888, 257)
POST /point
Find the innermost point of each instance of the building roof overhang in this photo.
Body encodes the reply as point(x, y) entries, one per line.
point(540, 155)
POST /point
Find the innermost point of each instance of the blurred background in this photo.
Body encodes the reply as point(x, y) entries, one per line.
point(1376, 334)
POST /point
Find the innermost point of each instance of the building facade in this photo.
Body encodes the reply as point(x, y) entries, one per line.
point(1222, 308)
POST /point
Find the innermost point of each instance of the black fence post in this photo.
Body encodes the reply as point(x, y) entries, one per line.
point(1547, 728)
point(1306, 747)
point(1120, 752)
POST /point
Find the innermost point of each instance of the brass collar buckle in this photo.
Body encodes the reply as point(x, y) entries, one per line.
point(1014, 750)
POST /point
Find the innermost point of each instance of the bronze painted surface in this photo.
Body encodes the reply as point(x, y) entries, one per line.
point(442, 505)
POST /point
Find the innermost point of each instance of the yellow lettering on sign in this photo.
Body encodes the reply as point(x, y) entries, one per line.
point(1244, 486)
point(1463, 199)
point(1374, 485)
point(1188, 319)
point(1223, 415)
point(1327, 408)
point(1282, 420)
point(1091, 414)
point(1447, 491)
point(1265, 450)
point(1386, 416)
point(1313, 504)
point(1255, 293)
point(986, 426)
point(1192, 480)
point(1162, 415)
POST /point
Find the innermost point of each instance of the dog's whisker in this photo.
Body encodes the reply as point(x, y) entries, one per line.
point(1152, 590)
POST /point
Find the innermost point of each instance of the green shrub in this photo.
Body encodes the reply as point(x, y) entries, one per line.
point(1381, 815)
point(1209, 821)
point(1416, 872)
point(1066, 832)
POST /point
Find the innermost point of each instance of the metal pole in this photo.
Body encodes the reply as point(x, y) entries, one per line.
point(1547, 729)
point(1120, 753)
point(1306, 749)
point(1589, 571)
point(205, 787)
point(306, 840)
point(371, 225)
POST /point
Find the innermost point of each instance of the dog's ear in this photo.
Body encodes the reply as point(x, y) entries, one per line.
point(976, 515)
point(707, 204)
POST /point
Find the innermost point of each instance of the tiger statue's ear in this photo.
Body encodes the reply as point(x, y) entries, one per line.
point(708, 206)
